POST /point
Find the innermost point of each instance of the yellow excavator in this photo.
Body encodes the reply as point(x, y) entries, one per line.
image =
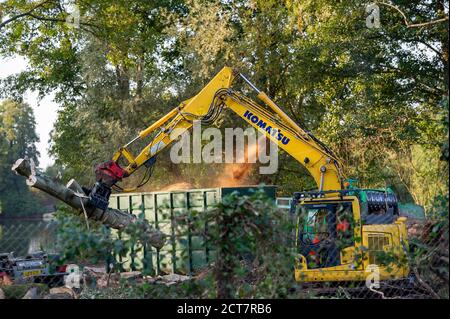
point(343, 233)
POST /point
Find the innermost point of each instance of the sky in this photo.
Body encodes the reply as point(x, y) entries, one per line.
point(45, 110)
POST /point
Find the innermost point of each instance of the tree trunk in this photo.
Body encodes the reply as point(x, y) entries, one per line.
point(123, 82)
point(74, 196)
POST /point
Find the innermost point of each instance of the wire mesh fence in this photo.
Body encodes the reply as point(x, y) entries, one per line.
point(54, 259)
point(29, 262)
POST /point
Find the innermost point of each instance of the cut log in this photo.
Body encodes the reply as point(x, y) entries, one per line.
point(73, 195)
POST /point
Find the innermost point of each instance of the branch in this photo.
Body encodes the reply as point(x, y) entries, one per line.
point(405, 19)
point(59, 20)
point(24, 13)
point(430, 47)
point(424, 284)
point(30, 13)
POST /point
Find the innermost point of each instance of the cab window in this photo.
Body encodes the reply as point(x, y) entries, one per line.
point(318, 222)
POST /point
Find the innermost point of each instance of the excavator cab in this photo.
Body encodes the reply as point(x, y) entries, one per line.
point(345, 235)
point(324, 229)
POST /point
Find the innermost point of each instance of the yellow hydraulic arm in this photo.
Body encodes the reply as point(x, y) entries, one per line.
point(206, 105)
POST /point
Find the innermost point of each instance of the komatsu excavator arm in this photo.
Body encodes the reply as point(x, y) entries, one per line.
point(206, 106)
point(318, 159)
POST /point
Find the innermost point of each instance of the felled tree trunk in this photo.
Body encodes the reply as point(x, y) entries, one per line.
point(73, 195)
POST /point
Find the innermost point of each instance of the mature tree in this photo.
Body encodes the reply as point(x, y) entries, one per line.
point(17, 140)
point(378, 96)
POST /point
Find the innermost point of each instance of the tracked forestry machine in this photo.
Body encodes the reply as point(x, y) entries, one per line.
point(343, 233)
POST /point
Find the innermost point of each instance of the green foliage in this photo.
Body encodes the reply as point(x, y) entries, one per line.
point(429, 251)
point(17, 140)
point(377, 96)
point(77, 243)
point(252, 240)
point(17, 291)
point(96, 244)
point(254, 248)
point(127, 290)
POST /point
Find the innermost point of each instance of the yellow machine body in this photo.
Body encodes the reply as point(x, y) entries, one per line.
point(359, 260)
point(354, 260)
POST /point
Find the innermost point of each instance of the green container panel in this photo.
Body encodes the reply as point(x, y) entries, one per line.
point(165, 262)
point(113, 202)
point(211, 255)
point(137, 204)
point(170, 262)
point(185, 251)
point(124, 203)
point(179, 200)
point(269, 190)
point(198, 260)
point(212, 198)
point(150, 215)
point(197, 243)
point(165, 226)
point(196, 199)
point(162, 200)
point(182, 243)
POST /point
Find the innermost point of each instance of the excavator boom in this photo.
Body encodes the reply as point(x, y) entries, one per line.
point(322, 164)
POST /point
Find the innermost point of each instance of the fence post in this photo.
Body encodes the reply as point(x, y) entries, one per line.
point(132, 251)
point(172, 229)
point(206, 228)
point(190, 269)
point(155, 211)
